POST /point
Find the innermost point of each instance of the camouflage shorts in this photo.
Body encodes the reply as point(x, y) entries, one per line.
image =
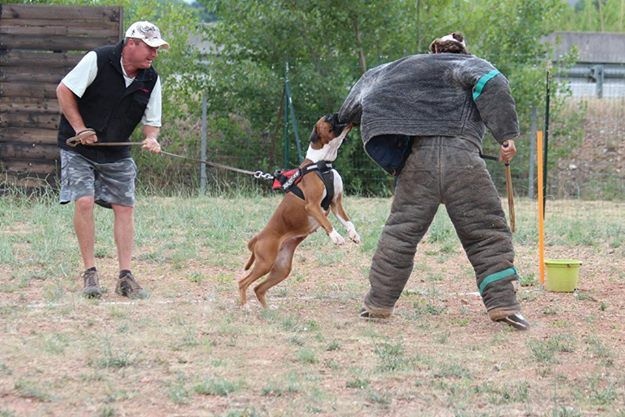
point(109, 183)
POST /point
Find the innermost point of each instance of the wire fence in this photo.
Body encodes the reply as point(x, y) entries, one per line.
point(585, 152)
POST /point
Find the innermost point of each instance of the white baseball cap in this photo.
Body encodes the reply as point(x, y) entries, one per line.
point(148, 33)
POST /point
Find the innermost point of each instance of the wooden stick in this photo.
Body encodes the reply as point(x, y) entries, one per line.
point(510, 193)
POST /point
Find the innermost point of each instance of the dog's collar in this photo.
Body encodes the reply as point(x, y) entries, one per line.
point(323, 166)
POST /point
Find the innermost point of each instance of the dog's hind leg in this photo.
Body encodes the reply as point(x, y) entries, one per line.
point(265, 256)
point(280, 270)
point(260, 269)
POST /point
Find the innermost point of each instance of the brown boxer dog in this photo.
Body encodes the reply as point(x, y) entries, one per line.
point(301, 211)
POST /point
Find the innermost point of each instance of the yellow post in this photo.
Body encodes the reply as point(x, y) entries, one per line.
point(541, 222)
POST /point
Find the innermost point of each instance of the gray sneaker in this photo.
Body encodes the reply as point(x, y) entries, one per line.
point(127, 286)
point(91, 284)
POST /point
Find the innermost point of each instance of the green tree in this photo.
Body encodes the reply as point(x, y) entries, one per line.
point(328, 45)
point(596, 16)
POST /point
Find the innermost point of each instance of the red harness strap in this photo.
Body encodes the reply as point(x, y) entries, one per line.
point(287, 180)
point(283, 180)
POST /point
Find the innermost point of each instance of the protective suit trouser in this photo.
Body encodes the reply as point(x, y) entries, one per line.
point(449, 171)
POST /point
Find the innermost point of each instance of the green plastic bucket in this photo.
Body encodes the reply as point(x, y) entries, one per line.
point(562, 274)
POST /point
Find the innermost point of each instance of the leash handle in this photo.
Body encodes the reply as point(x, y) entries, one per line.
point(76, 140)
point(73, 142)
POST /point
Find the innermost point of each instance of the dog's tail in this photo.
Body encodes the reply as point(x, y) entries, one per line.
point(250, 246)
point(250, 261)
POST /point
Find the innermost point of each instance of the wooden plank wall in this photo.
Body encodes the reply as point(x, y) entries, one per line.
point(39, 44)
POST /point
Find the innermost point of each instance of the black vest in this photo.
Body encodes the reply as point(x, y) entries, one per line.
point(110, 108)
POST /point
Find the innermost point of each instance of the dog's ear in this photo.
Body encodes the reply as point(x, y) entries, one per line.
point(433, 46)
point(319, 130)
point(325, 130)
point(314, 136)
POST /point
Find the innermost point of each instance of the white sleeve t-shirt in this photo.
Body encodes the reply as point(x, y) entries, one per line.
point(83, 74)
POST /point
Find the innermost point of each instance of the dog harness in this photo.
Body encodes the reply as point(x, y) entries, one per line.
point(287, 180)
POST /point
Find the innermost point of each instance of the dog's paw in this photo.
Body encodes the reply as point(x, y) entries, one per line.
point(354, 236)
point(351, 232)
point(336, 238)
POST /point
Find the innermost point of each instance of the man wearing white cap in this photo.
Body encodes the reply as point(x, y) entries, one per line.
point(422, 118)
point(102, 100)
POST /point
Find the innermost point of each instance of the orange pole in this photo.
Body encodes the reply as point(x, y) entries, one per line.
point(541, 219)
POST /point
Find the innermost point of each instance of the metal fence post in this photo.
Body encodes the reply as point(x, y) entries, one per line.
point(546, 142)
point(597, 74)
point(285, 134)
point(203, 146)
point(532, 166)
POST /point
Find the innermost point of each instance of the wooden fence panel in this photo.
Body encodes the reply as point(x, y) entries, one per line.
point(41, 119)
point(31, 151)
point(39, 44)
point(49, 60)
point(29, 104)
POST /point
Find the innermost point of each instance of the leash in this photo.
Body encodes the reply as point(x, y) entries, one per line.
point(509, 191)
point(75, 141)
point(256, 174)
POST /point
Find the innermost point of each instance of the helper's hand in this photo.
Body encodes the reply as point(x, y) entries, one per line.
point(507, 151)
point(151, 144)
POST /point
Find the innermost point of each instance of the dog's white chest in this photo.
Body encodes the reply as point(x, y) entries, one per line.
point(328, 152)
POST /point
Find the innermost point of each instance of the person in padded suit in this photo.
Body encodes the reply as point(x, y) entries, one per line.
point(423, 118)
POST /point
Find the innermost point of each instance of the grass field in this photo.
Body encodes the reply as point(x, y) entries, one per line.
point(191, 350)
